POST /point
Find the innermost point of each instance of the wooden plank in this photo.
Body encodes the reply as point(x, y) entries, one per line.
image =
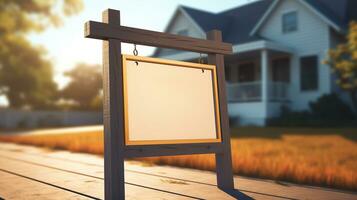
point(17, 187)
point(113, 113)
point(255, 188)
point(88, 185)
point(103, 31)
point(223, 159)
point(166, 186)
point(81, 184)
point(167, 150)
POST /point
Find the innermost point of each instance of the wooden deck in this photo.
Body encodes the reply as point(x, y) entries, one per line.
point(35, 173)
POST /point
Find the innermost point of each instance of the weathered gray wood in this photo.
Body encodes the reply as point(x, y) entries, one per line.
point(17, 187)
point(104, 31)
point(113, 113)
point(115, 149)
point(83, 185)
point(171, 150)
point(224, 158)
point(164, 180)
point(160, 187)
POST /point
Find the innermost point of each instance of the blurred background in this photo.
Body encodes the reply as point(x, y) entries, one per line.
point(291, 82)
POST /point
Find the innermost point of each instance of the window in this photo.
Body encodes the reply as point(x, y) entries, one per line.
point(227, 70)
point(308, 73)
point(289, 22)
point(246, 72)
point(281, 70)
point(183, 32)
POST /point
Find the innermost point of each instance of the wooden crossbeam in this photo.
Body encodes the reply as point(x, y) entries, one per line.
point(104, 31)
point(171, 150)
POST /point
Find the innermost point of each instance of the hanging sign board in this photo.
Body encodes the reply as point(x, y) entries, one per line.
point(169, 102)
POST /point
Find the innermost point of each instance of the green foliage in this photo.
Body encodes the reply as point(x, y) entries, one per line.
point(327, 111)
point(343, 61)
point(25, 74)
point(85, 86)
point(25, 77)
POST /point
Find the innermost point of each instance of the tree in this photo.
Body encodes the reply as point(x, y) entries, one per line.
point(343, 61)
point(85, 86)
point(26, 76)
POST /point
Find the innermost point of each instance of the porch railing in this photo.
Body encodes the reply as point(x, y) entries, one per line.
point(248, 91)
point(252, 91)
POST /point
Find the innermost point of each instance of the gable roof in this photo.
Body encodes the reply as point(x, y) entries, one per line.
point(238, 23)
point(235, 23)
point(322, 8)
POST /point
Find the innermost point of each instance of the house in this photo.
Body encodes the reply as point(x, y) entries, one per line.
point(278, 49)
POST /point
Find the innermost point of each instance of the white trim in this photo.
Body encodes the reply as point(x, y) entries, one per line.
point(240, 48)
point(324, 18)
point(171, 22)
point(289, 11)
point(273, 5)
point(282, 20)
point(168, 25)
point(264, 65)
point(266, 14)
point(192, 21)
point(262, 44)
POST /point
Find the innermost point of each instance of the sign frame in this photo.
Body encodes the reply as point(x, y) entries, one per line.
point(115, 150)
point(175, 63)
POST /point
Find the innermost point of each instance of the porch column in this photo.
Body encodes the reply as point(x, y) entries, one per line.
point(264, 74)
point(264, 79)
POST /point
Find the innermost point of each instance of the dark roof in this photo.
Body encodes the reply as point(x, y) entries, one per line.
point(237, 23)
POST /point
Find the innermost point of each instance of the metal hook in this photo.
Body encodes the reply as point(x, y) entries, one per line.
point(135, 52)
point(200, 60)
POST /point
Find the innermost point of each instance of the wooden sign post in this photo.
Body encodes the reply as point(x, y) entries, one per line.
point(117, 146)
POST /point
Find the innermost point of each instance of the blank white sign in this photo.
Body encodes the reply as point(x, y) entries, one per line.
point(169, 102)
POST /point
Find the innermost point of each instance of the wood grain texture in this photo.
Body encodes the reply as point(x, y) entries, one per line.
point(113, 113)
point(75, 171)
point(175, 149)
point(13, 186)
point(78, 184)
point(105, 31)
point(223, 159)
point(159, 187)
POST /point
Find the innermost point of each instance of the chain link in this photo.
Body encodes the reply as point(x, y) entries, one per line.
point(135, 52)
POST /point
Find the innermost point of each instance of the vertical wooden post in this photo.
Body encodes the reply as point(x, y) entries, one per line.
point(113, 114)
point(223, 160)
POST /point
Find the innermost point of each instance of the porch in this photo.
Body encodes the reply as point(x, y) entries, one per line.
point(258, 82)
point(252, 91)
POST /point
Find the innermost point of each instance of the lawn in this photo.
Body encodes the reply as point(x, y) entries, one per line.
point(322, 157)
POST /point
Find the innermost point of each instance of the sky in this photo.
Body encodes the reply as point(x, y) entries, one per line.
point(66, 45)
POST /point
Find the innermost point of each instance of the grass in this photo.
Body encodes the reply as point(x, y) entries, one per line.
point(322, 157)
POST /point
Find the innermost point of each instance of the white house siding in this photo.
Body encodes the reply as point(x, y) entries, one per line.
point(247, 113)
point(311, 38)
point(180, 22)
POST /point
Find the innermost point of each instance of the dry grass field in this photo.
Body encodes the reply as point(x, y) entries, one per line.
point(322, 157)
